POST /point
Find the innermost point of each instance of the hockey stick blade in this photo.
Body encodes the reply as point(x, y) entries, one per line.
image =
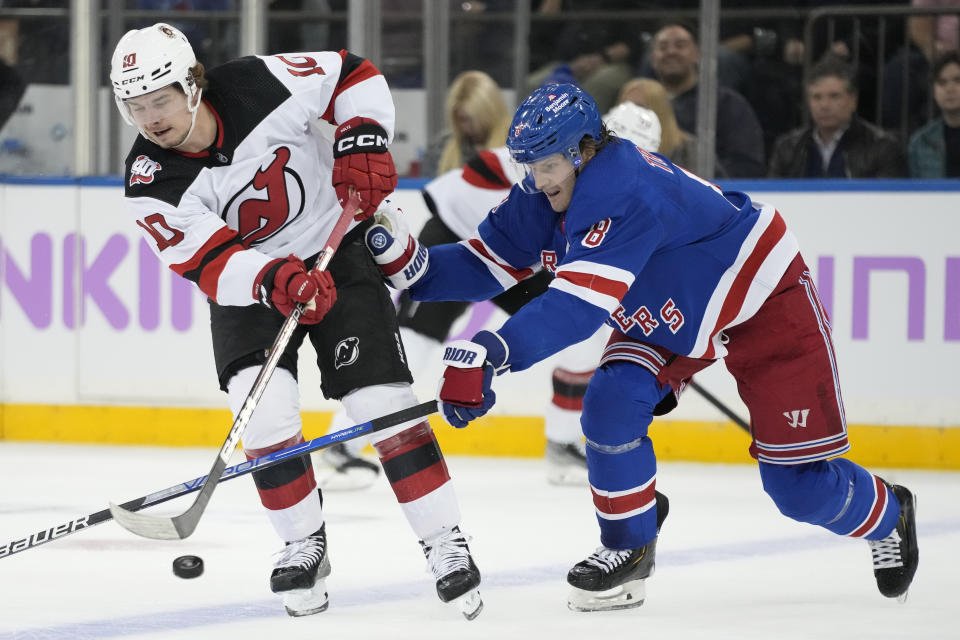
point(234, 471)
point(180, 526)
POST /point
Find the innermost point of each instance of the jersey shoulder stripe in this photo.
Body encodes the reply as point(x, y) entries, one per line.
point(353, 71)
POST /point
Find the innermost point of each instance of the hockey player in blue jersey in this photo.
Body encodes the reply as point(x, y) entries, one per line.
point(685, 274)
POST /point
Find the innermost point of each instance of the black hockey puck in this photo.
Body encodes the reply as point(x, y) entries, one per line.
point(188, 566)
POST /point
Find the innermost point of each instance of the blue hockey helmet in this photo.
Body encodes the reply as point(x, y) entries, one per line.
point(553, 120)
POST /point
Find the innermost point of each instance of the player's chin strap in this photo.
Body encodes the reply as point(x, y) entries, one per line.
point(193, 118)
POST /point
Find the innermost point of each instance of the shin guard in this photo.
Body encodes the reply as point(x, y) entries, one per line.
point(414, 465)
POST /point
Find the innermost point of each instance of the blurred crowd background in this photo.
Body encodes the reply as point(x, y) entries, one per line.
point(806, 89)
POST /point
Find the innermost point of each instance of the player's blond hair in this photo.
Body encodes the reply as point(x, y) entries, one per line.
point(477, 95)
point(654, 97)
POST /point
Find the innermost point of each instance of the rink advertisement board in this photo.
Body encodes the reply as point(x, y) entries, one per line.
point(99, 342)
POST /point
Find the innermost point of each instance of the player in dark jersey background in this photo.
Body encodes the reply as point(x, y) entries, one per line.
point(685, 274)
point(237, 189)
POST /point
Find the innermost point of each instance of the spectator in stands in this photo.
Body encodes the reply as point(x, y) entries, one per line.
point(739, 139)
point(838, 143)
point(214, 41)
point(934, 150)
point(928, 37)
point(679, 146)
point(477, 120)
point(596, 55)
point(855, 38)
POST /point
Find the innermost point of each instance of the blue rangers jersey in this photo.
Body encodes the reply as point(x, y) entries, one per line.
point(645, 246)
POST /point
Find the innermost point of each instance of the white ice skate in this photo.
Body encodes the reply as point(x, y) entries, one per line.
point(299, 575)
point(458, 578)
point(566, 463)
point(338, 469)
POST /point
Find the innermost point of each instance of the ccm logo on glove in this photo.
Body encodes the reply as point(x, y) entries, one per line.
point(363, 142)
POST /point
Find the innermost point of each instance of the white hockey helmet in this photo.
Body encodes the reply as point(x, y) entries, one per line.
point(639, 125)
point(149, 59)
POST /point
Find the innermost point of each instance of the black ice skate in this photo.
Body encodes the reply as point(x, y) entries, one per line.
point(566, 463)
point(895, 558)
point(615, 578)
point(457, 576)
point(300, 572)
point(337, 469)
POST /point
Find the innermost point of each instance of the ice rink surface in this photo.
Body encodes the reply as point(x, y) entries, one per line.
point(728, 564)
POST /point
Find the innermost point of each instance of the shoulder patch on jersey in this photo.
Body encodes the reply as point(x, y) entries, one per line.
point(158, 173)
point(143, 169)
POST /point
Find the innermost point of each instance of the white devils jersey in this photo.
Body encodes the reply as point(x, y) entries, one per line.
point(461, 198)
point(263, 189)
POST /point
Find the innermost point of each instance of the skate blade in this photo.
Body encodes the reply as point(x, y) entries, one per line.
point(306, 602)
point(470, 604)
point(627, 596)
point(566, 476)
point(351, 480)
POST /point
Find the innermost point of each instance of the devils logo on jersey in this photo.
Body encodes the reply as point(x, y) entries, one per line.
point(346, 352)
point(271, 200)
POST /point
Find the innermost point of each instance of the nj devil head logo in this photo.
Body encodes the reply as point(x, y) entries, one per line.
point(270, 201)
point(346, 352)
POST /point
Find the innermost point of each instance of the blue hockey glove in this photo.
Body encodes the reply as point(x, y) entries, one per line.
point(465, 389)
point(400, 256)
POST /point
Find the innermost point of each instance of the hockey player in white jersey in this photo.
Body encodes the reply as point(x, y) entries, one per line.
point(236, 190)
point(685, 274)
point(458, 201)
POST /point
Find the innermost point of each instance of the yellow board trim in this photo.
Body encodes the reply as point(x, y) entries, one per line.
point(511, 436)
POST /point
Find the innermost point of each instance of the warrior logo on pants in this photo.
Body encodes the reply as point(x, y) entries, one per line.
point(346, 352)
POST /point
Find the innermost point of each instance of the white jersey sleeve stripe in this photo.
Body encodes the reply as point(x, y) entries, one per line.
point(600, 285)
point(505, 274)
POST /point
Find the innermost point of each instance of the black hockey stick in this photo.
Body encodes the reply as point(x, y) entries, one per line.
point(235, 471)
point(182, 525)
point(724, 409)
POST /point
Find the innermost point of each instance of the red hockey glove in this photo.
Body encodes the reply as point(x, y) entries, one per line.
point(466, 386)
point(361, 161)
point(284, 282)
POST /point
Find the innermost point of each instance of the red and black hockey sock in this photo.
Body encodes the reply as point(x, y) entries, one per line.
point(569, 387)
point(286, 484)
point(413, 462)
